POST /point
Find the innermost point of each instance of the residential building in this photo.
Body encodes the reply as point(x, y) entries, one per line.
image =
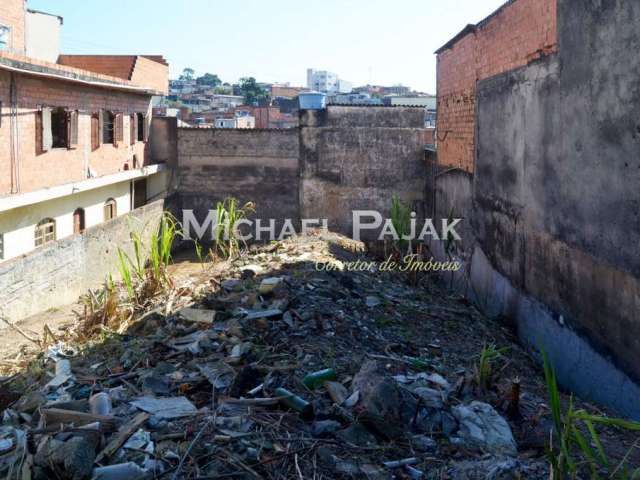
point(429, 102)
point(237, 121)
point(353, 99)
point(328, 82)
point(75, 133)
point(285, 91)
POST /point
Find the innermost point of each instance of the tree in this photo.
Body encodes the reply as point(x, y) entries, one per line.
point(209, 79)
point(251, 91)
point(187, 74)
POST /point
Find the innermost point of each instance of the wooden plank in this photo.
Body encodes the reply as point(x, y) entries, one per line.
point(122, 436)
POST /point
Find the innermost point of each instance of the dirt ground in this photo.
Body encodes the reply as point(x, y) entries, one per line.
point(382, 334)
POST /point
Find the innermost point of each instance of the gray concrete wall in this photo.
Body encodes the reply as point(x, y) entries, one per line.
point(557, 200)
point(260, 166)
point(356, 158)
point(58, 273)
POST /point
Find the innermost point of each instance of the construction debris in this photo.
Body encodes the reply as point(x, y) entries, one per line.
point(305, 373)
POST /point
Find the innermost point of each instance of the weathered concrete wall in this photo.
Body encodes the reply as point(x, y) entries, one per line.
point(557, 205)
point(356, 158)
point(58, 273)
point(260, 166)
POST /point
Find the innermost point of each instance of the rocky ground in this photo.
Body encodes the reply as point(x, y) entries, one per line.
point(270, 367)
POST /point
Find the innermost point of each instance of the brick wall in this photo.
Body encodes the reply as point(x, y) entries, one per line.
point(61, 165)
point(152, 71)
point(12, 14)
point(261, 166)
point(120, 66)
point(520, 32)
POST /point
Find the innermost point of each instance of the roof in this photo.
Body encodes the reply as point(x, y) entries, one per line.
point(120, 66)
point(40, 12)
point(471, 28)
point(30, 66)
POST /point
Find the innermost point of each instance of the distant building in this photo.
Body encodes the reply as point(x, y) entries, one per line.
point(328, 82)
point(242, 121)
point(353, 99)
point(396, 90)
point(286, 91)
point(429, 102)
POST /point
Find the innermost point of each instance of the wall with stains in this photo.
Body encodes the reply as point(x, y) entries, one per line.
point(357, 158)
point(557, 199)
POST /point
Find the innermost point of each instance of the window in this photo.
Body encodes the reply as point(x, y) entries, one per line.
point(78, 220)
point(45, 231)
point(108, 126)
point(59, 128)
point(110, 209)
point(5, 34)
point(56, 128)
point(141, 128)
point(133, 124)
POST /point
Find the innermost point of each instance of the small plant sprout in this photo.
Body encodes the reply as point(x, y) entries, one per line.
point(485, 368)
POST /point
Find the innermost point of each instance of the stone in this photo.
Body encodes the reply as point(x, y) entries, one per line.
point(372, 301)
point(429, 397)
point(268, 285)
point(385, 404)
point(423, 443)
point(322, 428)
point(358, 435)
point(482, 428)
point(70, 460)
point(197, 315)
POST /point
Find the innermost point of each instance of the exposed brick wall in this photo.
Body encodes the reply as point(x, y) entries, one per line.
point(60, 166)
point(120, 66)
point(12, 14)
point(150, 71)
point(518, 33)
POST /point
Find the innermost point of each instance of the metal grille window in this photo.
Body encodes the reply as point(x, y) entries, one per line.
point(110, 209)
point(45, 231)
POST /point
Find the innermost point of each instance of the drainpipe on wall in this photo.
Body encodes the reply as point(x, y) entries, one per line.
point(14, 136)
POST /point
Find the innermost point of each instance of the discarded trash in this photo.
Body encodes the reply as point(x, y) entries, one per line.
point(121, 471)
point(165, 408)
point(100, 404)
point(294, 402)
point(317, 379)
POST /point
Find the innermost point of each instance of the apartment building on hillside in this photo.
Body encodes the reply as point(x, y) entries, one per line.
point(73, 134)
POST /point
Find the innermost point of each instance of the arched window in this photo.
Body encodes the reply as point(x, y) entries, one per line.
point(78, 220)
point(45, 231)
point(110, 209)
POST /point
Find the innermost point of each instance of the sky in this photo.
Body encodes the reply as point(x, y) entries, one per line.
point(383, 42)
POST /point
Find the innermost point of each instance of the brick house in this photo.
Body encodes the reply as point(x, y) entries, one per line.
point(74, 134)
point(517, 33)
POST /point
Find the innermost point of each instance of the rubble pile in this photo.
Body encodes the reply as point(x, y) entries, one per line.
point(275, 367)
